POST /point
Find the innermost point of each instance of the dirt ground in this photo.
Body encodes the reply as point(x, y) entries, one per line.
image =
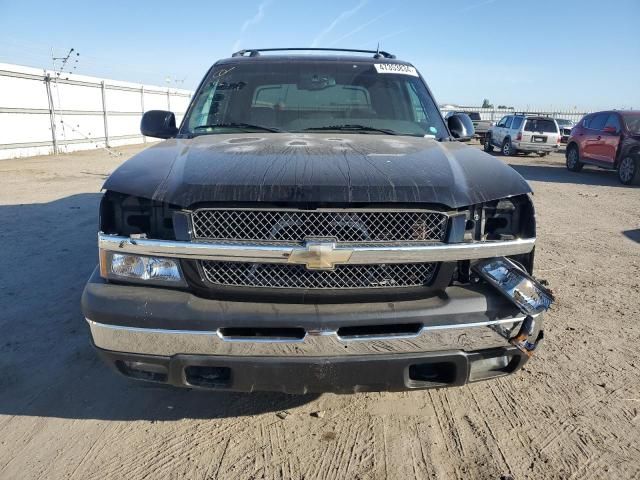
point(572, 413)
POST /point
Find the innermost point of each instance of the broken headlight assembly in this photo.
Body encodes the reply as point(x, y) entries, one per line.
point(140, 269)
point(517, 285)
point(504, 219)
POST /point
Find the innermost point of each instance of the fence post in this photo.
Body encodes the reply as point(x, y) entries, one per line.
point(104, 115)
point(144, 139)
point(52, 113)
point(168, 100)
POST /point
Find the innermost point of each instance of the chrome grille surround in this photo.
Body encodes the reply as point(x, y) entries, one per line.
point(271, 275)
point(289, 225)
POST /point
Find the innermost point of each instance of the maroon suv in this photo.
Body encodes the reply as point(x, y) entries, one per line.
point(608, 140)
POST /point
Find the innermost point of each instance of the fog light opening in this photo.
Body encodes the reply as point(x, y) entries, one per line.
point(152, 372)
point(208, 377)
point(489, 367)
point(432, 374)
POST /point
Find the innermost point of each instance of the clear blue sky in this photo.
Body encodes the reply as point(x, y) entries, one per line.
point(539, 54)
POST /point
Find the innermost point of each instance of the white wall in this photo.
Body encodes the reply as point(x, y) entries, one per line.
point(78, 107)
point(495, 114)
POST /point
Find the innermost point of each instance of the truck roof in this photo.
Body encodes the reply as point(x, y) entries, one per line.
point(340, 55)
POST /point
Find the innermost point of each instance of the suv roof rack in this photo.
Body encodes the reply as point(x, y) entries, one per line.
point(530, 114)
point(255, 52)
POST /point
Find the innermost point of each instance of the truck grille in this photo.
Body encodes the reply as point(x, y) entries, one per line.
point(296, 225)
point(267, 275)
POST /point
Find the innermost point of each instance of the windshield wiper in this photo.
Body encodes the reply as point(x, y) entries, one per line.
point(237, 125)
point(355, 128)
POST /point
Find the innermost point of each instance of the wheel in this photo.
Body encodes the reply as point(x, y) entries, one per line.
point(487, 144)
point(629, 171)
point(573, 159)
point(507, 148)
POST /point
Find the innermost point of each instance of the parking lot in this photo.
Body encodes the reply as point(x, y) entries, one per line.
point(572, 413)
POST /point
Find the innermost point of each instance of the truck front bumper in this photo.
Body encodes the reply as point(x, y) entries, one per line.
point(174, 337)
point(301, 375)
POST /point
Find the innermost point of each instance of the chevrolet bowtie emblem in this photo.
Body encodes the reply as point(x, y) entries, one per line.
point(320, 255)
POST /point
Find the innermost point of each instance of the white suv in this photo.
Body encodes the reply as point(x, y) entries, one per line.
point(523, 133)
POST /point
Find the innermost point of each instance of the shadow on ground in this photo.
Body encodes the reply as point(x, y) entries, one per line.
point(47, 366)
point(632, 234)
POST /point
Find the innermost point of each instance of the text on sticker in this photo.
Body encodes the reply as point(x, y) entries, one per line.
point(396, 68)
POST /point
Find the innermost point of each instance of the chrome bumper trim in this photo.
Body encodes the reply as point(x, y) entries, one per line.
point(467, 337)
point(273, 253)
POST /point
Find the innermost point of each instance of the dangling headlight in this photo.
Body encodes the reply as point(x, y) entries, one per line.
point(513, 282)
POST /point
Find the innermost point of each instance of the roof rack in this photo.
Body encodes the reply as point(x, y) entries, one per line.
point(255, 52)
point(531, 114)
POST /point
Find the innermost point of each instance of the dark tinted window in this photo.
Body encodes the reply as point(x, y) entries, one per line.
point(517, 123)
point(598, 121)
point(309, 95)
point(473, 115)
point(508, 124)
point(613, 121)
point(587, 121)
point(545, 125)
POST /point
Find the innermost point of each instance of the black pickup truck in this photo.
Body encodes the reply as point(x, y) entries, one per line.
point(314, 226)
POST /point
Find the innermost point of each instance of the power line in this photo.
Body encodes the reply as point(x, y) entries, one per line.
point(64, 61)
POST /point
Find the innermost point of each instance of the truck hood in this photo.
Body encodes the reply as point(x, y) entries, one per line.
point(310, 168)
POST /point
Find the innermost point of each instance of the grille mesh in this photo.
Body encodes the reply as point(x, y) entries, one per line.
point(297, 276)
point(296, 225)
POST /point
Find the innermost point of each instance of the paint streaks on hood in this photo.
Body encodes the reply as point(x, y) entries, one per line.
point(322, 168)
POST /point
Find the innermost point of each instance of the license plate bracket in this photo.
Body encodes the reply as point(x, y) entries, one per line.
point(539, 139)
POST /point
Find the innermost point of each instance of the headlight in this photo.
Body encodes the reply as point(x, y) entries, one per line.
point(140, 269)
point(526, 293)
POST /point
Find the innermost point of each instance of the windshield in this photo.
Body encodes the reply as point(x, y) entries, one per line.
point(305, 96)
point(474, 115)
point(543, 125)
point(562, 122)
point(632, 122)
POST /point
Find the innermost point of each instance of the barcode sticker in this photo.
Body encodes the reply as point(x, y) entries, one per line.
point(396, 68)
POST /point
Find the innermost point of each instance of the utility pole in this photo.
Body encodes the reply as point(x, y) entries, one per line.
point(57, 73)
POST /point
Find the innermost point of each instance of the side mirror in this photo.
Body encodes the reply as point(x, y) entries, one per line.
point(461, 126)
point(611, 130)
point(158, 124)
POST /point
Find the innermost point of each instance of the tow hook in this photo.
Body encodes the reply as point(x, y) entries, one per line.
point(521, 340)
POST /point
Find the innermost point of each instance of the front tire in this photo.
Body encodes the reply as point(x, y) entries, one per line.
point(487, 144)
point(573, 159)
point(507, 148)
point(629, 171)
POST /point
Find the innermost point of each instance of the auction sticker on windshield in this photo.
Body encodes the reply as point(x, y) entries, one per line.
point(396, 68)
